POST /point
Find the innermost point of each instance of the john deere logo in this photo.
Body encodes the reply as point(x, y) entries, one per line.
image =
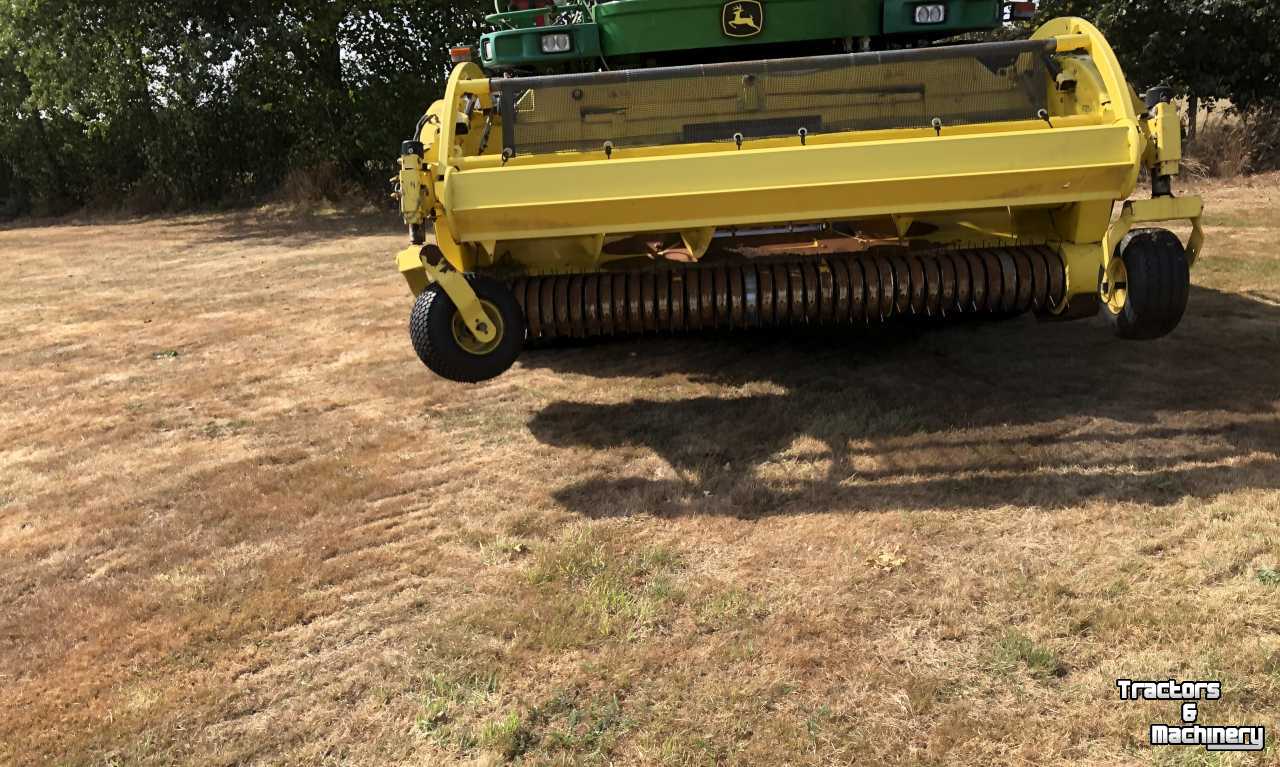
point(743, 18)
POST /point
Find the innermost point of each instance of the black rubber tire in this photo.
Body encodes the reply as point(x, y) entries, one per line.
point(1159, 283)
point(431, 329)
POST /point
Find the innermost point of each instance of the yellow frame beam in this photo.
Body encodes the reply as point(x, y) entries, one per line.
point(1046, 166)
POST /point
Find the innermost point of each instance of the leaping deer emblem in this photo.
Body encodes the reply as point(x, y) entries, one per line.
point(739, 20)
point(742, 23)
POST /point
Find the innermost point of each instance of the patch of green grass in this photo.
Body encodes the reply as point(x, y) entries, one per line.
point(527, 525)
point(574, 561)
point(583, 557)
point(503, 549)
point(509, 737)
point(1232, 220)
point(609, 593)
point(1196, 757)
point(485, 425)
point(563, 724)
point(742, 648)
point(728, 609)
point(216, 429)
point(583, 728)
point(1116, 588)
point(433, 715)
point(816, 722)
point(583, 589)
point(1268, 576)
point(688, 750)
point(1255, 270)
point(664, 588)
point(1015, 648)
point(449, 697)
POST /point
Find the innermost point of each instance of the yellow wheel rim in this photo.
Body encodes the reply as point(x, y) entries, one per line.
point(469, 343)
point(1115, 286)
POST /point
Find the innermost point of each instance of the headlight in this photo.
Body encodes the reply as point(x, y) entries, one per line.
point(486, 49)
point(931, 14)
point(555, 43)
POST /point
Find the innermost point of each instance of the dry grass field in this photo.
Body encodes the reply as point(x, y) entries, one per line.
point(241, 524)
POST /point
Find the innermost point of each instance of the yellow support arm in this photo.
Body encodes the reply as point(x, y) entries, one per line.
point(421, 274)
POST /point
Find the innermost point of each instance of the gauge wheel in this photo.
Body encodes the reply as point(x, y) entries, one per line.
point(1146, 285)
point(447, 347)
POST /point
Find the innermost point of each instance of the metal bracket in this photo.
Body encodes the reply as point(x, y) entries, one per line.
point(698, 240)
point(420, 275)
point(1155, 210)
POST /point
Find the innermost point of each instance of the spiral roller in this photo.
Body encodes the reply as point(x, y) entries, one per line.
point(841, 289)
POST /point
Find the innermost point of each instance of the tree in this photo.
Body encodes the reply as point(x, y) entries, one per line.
point(194, 103)
point(1226, 49)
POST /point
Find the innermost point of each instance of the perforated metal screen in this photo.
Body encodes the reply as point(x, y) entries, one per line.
point(962, 84)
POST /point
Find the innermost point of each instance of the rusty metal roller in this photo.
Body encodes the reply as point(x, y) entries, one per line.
point(837, 289)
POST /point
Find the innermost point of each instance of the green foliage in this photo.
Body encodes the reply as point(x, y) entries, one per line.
point(180, 104)
point(185, 103)
point(1212, 49)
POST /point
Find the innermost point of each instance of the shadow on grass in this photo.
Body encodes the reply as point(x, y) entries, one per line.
point(969, 416)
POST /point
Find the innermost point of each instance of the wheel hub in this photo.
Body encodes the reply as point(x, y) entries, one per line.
point(1115, 286)
point(468, 342)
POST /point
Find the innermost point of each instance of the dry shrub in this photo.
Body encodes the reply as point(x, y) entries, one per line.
point(319, 183)
point(1233, 142)
point(1263, 135)
point(1219, 149)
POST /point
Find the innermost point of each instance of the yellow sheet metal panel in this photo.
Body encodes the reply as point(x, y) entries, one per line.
point(1071, 30)
point(822, 94)
point(1114, 102)
point(834, 181)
